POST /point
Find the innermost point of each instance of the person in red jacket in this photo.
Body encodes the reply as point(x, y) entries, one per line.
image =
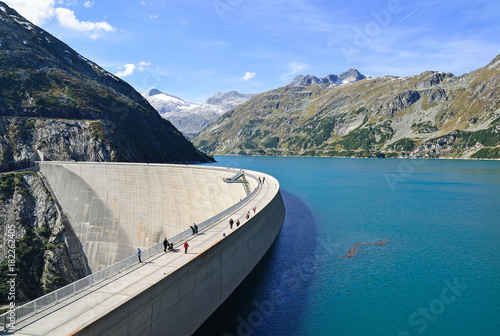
point(186, 245)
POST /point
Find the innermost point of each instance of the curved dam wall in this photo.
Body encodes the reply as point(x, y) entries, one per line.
point(115, 208)
point(179, 303)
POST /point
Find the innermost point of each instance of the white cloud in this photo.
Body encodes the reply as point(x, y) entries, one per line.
point(129, 69)
point(143, 3)
point(35, 11)
point(40, 11)
point(67, 18)
point(89, 4)
point(248, 75)
point(152, 17)
point(67, 2)
point(294, 68)
point(142, 64)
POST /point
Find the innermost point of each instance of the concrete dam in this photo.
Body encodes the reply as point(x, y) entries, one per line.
point(115, 208)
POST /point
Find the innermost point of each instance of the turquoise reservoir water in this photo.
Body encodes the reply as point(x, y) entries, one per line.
point(438, 273)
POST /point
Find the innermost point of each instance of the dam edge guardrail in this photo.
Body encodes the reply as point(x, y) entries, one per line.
point(48, 300)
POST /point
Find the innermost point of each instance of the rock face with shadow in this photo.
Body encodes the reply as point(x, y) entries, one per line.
point(47, 256)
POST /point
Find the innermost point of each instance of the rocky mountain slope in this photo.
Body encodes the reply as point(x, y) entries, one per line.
point(191, 118)
point(350, 76)
point(430, 115)
point(30, 217)
point(54, 100)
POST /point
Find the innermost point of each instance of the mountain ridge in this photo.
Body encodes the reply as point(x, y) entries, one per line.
point(431, 115)
point(44, 81)
point(349, 76)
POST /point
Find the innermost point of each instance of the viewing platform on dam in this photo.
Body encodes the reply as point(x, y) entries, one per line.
point(173, 292)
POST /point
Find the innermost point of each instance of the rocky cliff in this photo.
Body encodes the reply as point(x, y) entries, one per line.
point(79, 140)
point(56, 90)
point(29, 216)
point(430, 115)
point(349, 76)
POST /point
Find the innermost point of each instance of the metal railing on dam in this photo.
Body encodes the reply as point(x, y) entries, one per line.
point(30, 308)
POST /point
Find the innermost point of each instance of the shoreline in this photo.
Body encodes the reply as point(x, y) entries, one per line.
point(348, 157)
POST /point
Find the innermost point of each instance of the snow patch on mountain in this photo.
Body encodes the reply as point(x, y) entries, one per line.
point(191, 118)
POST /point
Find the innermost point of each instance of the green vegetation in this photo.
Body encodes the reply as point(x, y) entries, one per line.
point(487, 137)
point(271, 142)
point(309, 153)
point(365, 138)
point(249, 144)
point(487, 153)
point(359, 138)
point(208, 147)
point(318, 131)
point(97, 130)
point(391, 155)
point(28, 266)
point(9, 183)
point(296, 141)
point(30, 262)
point(406, 145)
point(426, 127)
point(6, 186)
point(361, 110)
point(57, 281)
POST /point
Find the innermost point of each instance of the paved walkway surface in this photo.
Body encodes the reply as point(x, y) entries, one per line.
point(75, 312)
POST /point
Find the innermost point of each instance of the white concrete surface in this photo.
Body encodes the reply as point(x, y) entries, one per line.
point(115, 208)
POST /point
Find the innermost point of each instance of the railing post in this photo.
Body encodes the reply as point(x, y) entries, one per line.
point(35, 306)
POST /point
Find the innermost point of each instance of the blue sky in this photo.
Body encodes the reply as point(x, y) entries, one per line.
point(194, 48)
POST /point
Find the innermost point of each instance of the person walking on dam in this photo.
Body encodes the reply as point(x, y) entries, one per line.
point(165, 245)
point(186, 245)
point(139, 254)
point(231, 223)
